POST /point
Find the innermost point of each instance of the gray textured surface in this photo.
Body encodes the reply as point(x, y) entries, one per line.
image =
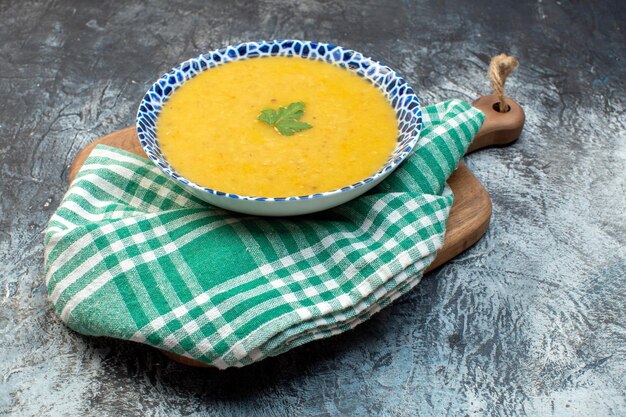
point(529, 321)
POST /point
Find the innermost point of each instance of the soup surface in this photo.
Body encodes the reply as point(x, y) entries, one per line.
point(209, 132)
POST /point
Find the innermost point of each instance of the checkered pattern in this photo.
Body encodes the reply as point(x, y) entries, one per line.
point(131, 255)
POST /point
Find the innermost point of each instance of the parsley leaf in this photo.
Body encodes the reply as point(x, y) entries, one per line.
point(286, 120)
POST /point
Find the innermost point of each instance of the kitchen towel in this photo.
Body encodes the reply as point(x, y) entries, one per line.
point(130, 254)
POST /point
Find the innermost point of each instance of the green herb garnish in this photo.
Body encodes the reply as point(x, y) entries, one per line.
point(286, 120)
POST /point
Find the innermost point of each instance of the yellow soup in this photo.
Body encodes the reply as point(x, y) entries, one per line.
point(209, 132)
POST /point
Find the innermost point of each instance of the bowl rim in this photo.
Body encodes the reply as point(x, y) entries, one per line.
point(392, 163)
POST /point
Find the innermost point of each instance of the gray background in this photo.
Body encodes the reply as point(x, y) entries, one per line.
point(529, 321)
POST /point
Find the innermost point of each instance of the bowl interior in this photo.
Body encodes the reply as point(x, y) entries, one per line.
point(399, 94)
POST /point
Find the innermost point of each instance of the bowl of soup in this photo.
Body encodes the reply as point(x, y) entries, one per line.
point(279, 128)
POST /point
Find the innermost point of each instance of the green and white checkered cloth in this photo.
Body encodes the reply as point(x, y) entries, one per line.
point(131, 255)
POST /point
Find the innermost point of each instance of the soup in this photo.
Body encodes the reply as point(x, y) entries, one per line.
point(211, 129)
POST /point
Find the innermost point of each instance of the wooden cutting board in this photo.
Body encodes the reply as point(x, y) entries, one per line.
point(470, 213)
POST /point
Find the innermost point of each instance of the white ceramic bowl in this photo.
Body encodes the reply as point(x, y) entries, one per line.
point(399, 94)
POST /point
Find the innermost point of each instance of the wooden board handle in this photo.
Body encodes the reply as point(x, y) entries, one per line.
point(499, 129)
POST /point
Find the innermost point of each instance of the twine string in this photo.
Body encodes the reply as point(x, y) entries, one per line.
point(500, 68)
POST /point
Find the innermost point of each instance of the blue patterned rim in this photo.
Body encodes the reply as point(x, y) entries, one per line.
point(396, 90)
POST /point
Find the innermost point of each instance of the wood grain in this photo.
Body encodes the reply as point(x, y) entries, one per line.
point(499, 129)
